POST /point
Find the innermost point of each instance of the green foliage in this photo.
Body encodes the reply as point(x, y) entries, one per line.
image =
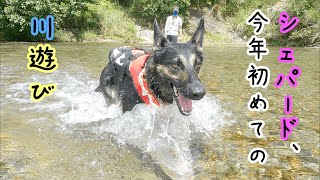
point(306, 33)
point(124, 3)
point(203, 3)
point(308, 30)
point(114, 19)
point(62, 36)
point(15, 20)
point(74, 20)
point(147, 10)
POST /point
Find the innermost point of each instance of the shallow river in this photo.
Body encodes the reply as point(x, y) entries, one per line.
point(74, 134)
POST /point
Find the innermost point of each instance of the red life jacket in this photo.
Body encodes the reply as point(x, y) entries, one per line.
point(137, 71)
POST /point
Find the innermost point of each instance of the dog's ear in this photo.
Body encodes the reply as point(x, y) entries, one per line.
point(198, 35)
point(159, 40)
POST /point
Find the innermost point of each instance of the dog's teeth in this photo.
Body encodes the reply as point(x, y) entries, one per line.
point(175, 91)
point(112, 94)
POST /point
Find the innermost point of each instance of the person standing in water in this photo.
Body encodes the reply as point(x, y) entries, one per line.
point(173, 27)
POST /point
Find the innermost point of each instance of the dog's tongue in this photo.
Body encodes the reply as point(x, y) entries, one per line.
point(185, 103)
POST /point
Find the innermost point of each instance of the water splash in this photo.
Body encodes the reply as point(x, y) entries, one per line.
point(160, 131)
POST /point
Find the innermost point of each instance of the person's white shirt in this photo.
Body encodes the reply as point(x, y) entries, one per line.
point(173, 24)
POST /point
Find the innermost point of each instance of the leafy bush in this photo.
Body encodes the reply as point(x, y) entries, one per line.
point(15, 19)
point(308, 30)
point(306, 33)
point(112, 21)
point(147, 10)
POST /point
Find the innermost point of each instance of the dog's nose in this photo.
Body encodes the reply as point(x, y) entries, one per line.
point(197, 92)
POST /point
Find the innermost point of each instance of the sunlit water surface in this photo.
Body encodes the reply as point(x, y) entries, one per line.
point(74, 134)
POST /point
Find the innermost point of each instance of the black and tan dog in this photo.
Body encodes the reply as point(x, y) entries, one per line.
point(168, 73)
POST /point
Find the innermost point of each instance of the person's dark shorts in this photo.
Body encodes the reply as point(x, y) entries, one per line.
point(172, 38)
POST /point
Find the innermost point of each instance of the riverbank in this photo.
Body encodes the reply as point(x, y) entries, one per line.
point(115, 21)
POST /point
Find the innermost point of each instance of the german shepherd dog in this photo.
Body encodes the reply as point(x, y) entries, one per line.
point(171, 74)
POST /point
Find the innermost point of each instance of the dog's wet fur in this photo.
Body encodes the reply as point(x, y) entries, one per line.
point(171, 73)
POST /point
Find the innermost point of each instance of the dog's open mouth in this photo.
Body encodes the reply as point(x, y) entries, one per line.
point(184, 103)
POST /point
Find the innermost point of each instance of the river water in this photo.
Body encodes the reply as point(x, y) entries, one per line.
point(74, 134)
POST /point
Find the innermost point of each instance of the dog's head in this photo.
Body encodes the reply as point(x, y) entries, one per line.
point(174, 67)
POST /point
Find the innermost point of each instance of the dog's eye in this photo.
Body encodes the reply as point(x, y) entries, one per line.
point(175, 64)
point(197, 63)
